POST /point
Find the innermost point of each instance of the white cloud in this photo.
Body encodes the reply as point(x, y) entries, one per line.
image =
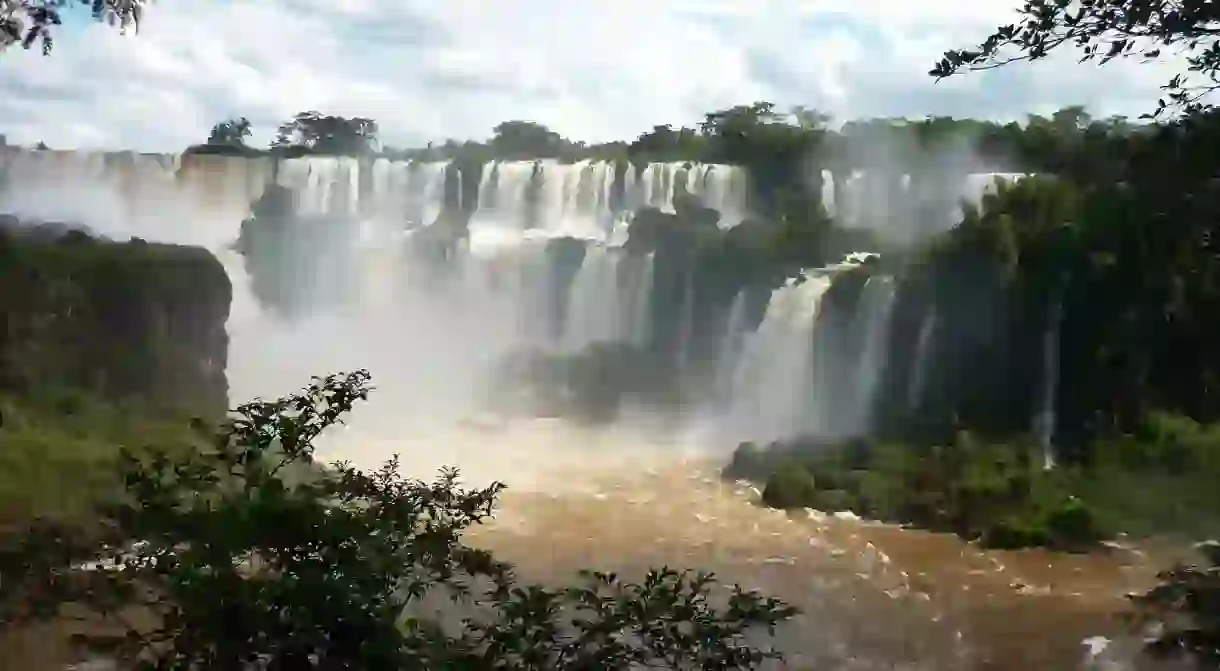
point(591, 70)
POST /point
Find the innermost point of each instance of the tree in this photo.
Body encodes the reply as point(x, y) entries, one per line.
point(29, 22)
point(252, 552)
point(325, 134)
point(664, 143)
point(230, 133)
point(810, 119)
point(1105, 30)
point(526, 138)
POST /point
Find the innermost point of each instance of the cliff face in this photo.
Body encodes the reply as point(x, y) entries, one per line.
point(123, 320)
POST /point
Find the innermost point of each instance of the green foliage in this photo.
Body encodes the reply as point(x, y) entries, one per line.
point(154, 315)
point(527, 140)
point(249, 551)
point(29, 22)
point(1104, 30)
point(1172, 461)
point(316, 133)
point(61, 446)
point(231, 132)
point(989, 492)
point(790, 486)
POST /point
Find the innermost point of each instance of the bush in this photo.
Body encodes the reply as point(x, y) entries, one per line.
point(790, 486)
point(249, 553)
point(1073, 525)
point(985, 491)
point(1186, 606)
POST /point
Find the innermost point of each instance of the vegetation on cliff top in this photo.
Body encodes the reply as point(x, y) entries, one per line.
point(119, 319)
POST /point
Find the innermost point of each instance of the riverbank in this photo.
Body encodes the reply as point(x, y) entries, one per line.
point(1001, 493)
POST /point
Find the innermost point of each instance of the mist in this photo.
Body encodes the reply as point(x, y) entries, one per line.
point(906, 192)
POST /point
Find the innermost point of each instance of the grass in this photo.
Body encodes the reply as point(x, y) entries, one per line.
point(58, 448)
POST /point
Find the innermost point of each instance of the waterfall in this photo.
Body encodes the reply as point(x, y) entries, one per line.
point(1045, 418)
point(771, 385)
point(730, 349)
point(635, 283)
point(876, 306)
point(466, 301)
point(593, 315)
point(922, 360)
point(687, 320)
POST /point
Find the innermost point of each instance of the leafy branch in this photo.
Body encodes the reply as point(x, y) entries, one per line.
point(251, 552)
point(1105, 30)
point(30, 22)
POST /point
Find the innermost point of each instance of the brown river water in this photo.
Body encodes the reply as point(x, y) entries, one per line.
point(873, 596)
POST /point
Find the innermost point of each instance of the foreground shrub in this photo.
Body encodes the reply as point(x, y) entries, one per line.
point(250, 554)
point(1185, 609)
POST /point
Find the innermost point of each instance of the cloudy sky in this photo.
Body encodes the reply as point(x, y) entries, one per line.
point(610, 69)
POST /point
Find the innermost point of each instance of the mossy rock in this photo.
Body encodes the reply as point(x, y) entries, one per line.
point(790, 486)
point(1013, 534)
point(1074, 527)
point(154, 316)
point(748, 462)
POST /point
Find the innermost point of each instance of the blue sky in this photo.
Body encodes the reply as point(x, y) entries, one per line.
point(610, 69)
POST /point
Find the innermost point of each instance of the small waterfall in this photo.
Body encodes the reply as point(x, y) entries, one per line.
point(1045, 418)
point(635, 285)
point(876, 303)
point(730, 349)
point(772, 382)
point(923, 353)
point(592, 313)
point(687, 324)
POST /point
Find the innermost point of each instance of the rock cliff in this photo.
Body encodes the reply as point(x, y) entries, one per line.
point(120, 319)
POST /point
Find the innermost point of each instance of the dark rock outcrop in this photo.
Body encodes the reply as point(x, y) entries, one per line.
point(120, 319)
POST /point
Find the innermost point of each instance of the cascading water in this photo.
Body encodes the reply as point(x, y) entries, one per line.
point(730, 350)
point(593, 315)
point(1044, 421)
point(770, 398)
point(876, 308)
point(923, 353)
point(634, 285)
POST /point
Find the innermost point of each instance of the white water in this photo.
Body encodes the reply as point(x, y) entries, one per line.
point(427, 345)
point(923, 353)
point(770, 396)
point(1044, 421)
point(877, 303)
